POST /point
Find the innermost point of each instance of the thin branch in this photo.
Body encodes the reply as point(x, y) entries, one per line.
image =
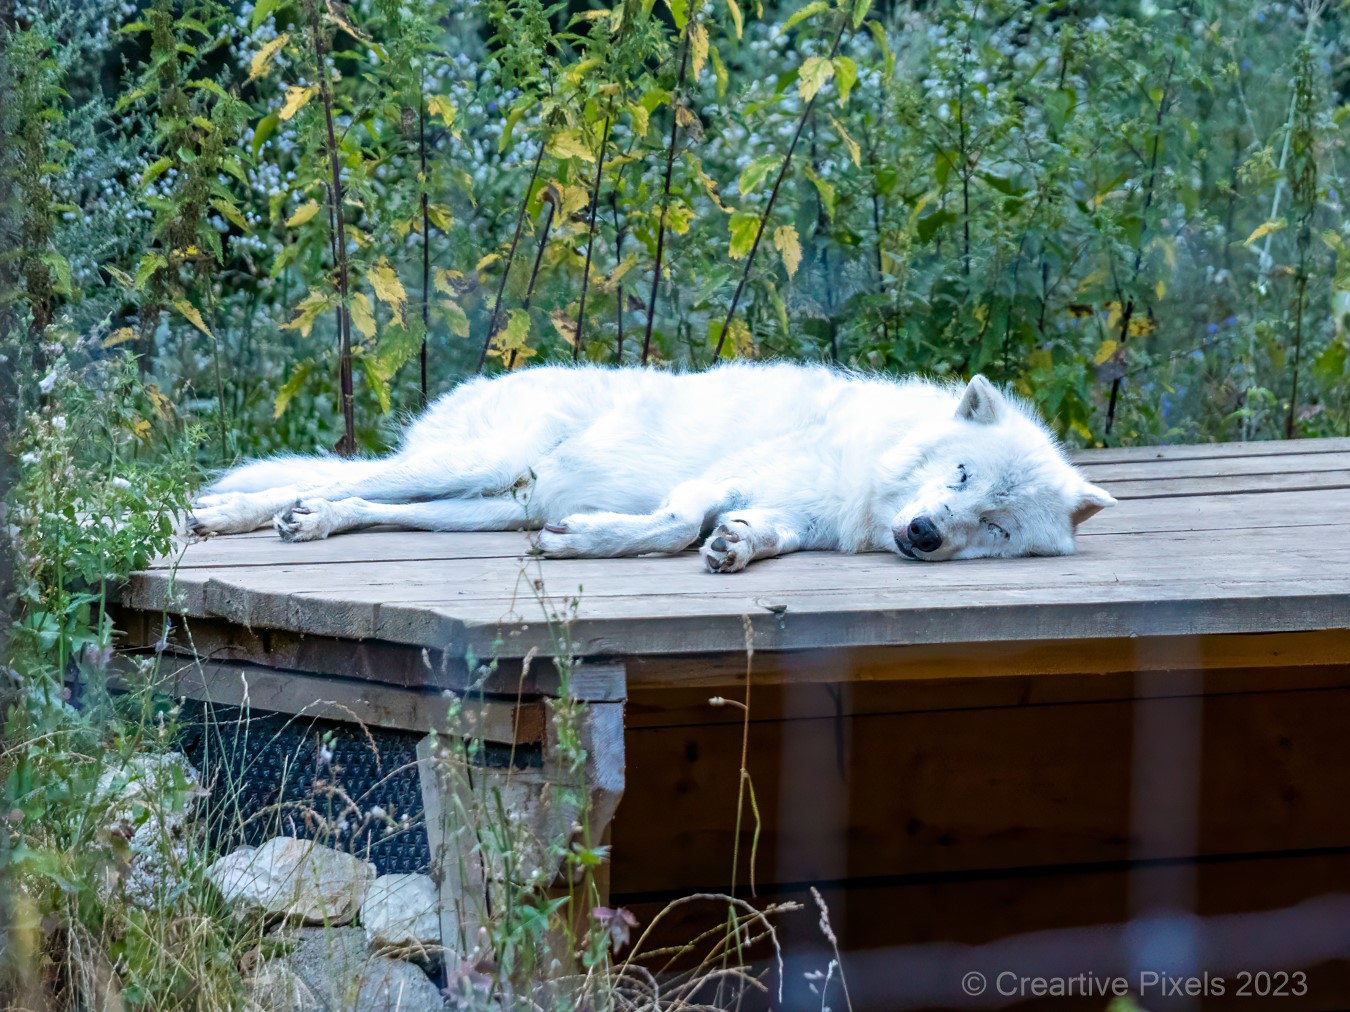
point(665, 192)
point(773, 197)
point(347, 446)
point(510, 258)
point(590, 238)
point(426, 236)
point(1128, 312)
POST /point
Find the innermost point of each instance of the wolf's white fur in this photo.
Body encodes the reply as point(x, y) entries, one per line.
point(769, 458)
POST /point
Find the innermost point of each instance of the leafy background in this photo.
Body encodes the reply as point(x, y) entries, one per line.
point(1136, 203)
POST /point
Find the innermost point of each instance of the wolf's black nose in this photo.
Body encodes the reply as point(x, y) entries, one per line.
point(923, 535)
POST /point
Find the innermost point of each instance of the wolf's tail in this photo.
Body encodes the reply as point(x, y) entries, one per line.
point(283, 472)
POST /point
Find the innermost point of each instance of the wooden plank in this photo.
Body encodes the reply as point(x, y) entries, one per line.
point(1056, 922)
point(1291, 481)
point(675, 691)
point(1204, 451)
point(1196, 468)
point(964, 791)
point(504, 721)
point(265, 549)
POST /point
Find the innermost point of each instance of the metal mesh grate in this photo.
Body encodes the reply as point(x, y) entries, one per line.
point(273, 774)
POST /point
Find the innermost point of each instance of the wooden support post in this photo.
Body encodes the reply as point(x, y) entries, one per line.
point(494, 829)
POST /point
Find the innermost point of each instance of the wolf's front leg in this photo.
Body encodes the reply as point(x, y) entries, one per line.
point(743, 536)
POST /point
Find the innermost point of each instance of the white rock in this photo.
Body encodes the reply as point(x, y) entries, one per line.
point(335, 965)
point(278, 988)
point(297, 879)
point(148, 801)
point(400, 912)
point(163, 784)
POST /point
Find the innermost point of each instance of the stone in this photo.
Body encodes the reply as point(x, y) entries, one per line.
point(335, 965)
point(400, 913)
point(296, 879)
point(148, 801)
point(278, 988)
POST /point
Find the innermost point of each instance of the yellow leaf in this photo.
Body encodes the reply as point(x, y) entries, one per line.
point(1105, 352)
point(811, 77)
point(854, 151)
point(1142, 326)
point(388, 288)
point(487, 261)
point(1264, 230)
point(140, 428)
point(734, 9)
point(263, 58)
point(698, 47)
point(440, 216)
point(363, 314)
point(566, 144)
point(441, 279)
point(296, 99)
point(303, 213)
point(442, 107)
point(512, 340)
point(119, 336)
point(306, 313)
point(565, 324)
point(193, 316)
point(789, 246)
point(456, 317)
point(1160, 289)
point(338, 14)
point(162, 405)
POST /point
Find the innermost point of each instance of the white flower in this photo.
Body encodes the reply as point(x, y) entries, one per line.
point(47, 382)
point(59, 423)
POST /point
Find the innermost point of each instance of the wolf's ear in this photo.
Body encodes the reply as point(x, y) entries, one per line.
point(981, 402)
point(1091, 501)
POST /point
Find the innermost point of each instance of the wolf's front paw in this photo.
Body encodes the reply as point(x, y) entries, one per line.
point(728, 549)
point(306, 520)
point(222, 514)
point(560, 541)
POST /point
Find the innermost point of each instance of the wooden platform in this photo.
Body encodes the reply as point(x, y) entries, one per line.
point(961, 752)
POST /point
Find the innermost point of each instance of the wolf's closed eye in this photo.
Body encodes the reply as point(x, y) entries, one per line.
point(996, 529)
point(961, 477)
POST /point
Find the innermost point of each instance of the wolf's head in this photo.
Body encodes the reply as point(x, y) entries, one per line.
point(991, 483)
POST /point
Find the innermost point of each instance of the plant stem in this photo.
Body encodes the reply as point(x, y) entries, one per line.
point(1128, 312)
point(665, 193)
point(347, 446)
point(618, 259)
point(538, 259)
point(590, 238)
point(773, 197)
point(510, 258)
point(426, 235)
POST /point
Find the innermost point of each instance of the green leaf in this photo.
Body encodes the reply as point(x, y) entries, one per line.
point(825, 188)
point(264, 130)
point(845, 74)
point(756, 172)
point(231, 212)
point(293, 385)
point(60, 266)
point(146, 269)
point(929, 224)
point(261, 11)
point(154, 170)
point(860, 9)
point(679, 11)
point(809, 11)
point(744, 226)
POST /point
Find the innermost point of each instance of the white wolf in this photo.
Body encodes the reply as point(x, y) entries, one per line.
point(765, 459)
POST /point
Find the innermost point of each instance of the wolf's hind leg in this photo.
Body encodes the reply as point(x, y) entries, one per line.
point(672, 528)
point(312, 519)
point(743, 536)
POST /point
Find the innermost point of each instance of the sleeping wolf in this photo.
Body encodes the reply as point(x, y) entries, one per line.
point(763, 459)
